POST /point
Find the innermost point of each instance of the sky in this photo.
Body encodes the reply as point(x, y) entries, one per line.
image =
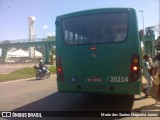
point(14, 14)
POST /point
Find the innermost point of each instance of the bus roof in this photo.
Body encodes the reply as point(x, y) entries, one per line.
point(94, 11)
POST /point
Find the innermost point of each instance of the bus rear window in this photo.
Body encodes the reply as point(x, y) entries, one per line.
point(100, 28)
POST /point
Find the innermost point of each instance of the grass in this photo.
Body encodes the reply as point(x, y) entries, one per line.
point(52, 69)
point(23, 73)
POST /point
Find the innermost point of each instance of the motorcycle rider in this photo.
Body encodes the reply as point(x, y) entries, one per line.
point(42, 66)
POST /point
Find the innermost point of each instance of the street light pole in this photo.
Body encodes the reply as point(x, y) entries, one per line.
point(142, 20)
point(143, 29)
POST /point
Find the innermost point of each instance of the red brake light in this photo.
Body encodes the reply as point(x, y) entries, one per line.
point(134, 68)
point(59, 69)
point(60, 75)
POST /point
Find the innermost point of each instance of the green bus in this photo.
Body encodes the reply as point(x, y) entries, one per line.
point(98, 52)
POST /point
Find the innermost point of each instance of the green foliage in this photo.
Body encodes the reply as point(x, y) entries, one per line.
point(53, 51)
point(52, 69)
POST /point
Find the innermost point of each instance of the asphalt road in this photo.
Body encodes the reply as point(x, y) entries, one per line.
point(42, 95)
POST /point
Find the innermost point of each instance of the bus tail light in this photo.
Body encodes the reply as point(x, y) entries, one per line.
point(58, 61)
point(59, 69)
point(135, 68)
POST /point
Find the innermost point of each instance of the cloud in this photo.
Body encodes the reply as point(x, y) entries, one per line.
point(45, 26)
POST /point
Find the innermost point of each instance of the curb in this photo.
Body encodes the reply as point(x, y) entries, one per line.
point(4, 82)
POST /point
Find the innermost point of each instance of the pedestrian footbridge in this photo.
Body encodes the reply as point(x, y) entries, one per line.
point(47, 44)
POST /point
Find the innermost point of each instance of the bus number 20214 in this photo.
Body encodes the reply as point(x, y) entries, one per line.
point(118, 79)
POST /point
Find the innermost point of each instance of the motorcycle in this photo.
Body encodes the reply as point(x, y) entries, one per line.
point(45, 73)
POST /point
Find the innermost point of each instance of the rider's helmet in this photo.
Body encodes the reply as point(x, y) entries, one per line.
point(41, 61)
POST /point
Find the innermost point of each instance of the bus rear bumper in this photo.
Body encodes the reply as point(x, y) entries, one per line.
point(132, 88)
